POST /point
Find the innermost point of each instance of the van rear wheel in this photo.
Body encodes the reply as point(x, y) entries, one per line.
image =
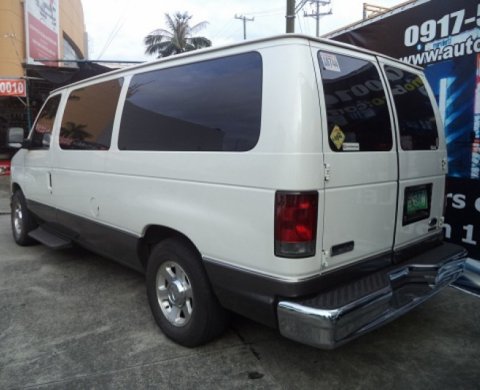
point(21, 219)
point(180, 296)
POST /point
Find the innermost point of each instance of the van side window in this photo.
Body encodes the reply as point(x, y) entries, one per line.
point(416, 119)
point(214, 105)
point(357, 111)
point(42, 129)
point(89, 114)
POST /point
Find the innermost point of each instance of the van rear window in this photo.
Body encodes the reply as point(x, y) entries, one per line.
point(357, 111)
point(416, 119)
point(212, 105)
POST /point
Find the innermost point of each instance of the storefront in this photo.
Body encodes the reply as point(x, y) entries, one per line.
point(36, 34)
point(13, 113)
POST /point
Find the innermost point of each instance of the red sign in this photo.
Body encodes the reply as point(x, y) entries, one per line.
point(4, 167)
point(43, 42)
point(13, 87)
point(42, 29)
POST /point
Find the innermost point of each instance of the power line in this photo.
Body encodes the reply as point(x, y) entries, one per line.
point(222, 30)
point(268, 11)
point(299, 23)
point(300, 5)
point(234, 33)
point(270, 14)
point(12, 37)
point(116, 29)
point(293, 8)
point(111, 38)
point(302, 24)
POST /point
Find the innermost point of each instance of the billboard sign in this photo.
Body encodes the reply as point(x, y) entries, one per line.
point(443, 36)
point(13, 87)
point(42, 31)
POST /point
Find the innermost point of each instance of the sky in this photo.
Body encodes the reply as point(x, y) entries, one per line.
point(116, 28)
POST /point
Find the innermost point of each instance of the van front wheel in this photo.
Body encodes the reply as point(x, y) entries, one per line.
point(180, 296)
point(21, 219)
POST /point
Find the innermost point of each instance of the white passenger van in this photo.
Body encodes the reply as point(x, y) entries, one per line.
point(296, 181)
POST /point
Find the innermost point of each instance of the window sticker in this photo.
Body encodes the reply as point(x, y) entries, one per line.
point(351, 147)
point(330, 62)
point(337, 136)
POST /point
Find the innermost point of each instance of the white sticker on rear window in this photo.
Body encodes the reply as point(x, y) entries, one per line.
point(351, 147)
point(330, 62)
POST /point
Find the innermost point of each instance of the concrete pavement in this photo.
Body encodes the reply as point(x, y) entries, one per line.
point(74, 320)
point(4, 194)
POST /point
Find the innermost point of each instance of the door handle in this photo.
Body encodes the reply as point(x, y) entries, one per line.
point(444, 164)
point(50, 188)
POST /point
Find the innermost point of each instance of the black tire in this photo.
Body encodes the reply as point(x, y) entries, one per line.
point(183, 304)
point(22, 220)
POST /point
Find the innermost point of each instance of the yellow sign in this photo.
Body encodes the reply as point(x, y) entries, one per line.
point(337, 137)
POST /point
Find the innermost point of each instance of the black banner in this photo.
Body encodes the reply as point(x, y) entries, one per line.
point(417, 28)
point(463, 214)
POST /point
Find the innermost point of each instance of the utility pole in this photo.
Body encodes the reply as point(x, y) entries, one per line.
point(317, 12)
point(245, 20)
point(290, 16)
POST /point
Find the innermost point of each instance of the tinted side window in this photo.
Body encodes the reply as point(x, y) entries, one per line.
point(212, 105)
point(357, 111)
point(42, 129)
point(88, 118)
point(416, 119)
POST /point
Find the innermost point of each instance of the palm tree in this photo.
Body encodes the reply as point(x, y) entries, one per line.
point(178, 38)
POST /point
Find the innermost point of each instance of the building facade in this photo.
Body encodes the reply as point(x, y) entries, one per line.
point(35, 36)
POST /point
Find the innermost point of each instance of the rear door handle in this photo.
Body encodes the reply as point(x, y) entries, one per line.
point(50, 188)
point(444, 164)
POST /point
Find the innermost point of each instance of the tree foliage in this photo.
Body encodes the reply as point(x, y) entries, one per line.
point(177, 38)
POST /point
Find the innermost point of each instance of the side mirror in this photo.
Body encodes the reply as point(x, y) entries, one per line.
point(15, 137)
point(46, 140)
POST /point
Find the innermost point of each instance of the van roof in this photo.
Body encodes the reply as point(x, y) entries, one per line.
point(282, 37)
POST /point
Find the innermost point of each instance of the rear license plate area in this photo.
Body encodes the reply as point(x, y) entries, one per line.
point(416, 205)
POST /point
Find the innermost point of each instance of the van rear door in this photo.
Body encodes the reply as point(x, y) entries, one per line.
point(421, 154)
point(360, 159)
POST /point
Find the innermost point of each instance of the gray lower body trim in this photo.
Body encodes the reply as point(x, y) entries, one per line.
point(102, 239)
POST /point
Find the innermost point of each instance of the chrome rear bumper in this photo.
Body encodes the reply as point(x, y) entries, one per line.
point(469, 282)
point(339, 315)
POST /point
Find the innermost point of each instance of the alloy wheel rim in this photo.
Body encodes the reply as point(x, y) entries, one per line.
point(17, 218)
point(174, 294)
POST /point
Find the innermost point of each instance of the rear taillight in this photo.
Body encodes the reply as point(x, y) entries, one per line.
point(295, 223)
